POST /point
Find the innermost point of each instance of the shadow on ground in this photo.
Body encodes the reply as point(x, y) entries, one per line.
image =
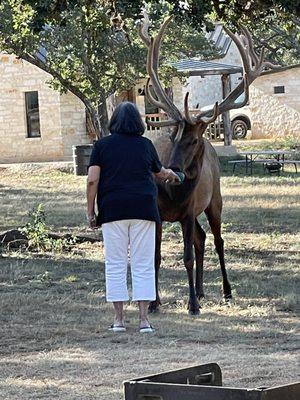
point(51, 302)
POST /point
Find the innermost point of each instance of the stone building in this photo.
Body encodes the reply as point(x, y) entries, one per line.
point(275, 103)
point(36, 122)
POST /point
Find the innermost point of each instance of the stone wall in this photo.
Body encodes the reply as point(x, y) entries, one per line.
point(73, 123)
point(62, 118)
point(208, 89)
point(276, 115)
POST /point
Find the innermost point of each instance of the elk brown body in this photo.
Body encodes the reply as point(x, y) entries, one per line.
point(200, 191)
point(186, 150)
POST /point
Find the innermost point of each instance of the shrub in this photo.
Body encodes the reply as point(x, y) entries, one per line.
point(38, 234)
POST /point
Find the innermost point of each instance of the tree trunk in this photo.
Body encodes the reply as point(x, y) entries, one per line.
point(103, 117)
point(93, 124)
point(97, 121)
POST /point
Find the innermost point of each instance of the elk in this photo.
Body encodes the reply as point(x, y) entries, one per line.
point(186, 150)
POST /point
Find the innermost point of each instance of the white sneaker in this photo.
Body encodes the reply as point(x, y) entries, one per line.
point(147, 329)
point(117, 328)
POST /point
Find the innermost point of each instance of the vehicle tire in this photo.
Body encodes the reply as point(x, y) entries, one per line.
point(239, 129)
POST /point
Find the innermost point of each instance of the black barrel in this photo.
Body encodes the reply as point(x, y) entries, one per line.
point(81, 158)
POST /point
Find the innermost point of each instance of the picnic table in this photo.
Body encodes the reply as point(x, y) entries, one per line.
point(254, 156)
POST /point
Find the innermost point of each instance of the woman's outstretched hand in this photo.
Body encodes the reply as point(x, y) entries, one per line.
point(167, 175)
point(172, 177)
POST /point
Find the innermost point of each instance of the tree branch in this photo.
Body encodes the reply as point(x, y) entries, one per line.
point(65, 83)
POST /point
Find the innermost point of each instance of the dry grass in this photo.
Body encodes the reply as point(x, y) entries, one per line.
point(53, 328)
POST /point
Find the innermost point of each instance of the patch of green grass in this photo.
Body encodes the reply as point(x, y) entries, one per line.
point(71, 278)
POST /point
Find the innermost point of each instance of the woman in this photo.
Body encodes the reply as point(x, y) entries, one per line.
point(121, 176)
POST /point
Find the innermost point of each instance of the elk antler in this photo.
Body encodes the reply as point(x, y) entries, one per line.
point(163, 102)
point(253, 66)
point(188, 118)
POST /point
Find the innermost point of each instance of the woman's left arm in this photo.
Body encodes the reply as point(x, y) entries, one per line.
point(91, 192)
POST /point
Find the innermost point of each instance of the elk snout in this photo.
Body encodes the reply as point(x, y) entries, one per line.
point(176, 161)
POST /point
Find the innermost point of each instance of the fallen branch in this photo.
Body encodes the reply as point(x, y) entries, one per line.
point(14, 235)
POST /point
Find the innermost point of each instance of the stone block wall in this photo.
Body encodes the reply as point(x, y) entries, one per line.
point(207, 90)
point(62, 118)
point(73, 123)
point(276, 115)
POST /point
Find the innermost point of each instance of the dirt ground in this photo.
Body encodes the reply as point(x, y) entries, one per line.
point(54, 342)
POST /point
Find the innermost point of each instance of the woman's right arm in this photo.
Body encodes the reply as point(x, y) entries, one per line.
point(91, 192)
point(167, 175)
point(160, 172)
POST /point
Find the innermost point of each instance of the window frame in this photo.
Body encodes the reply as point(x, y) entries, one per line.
point(279, 89)
point(29, 113)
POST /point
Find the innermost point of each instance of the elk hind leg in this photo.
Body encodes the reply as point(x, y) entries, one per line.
point(213, 214)
point(199, 245)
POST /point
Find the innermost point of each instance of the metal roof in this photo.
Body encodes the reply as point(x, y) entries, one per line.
point(220, 39)
point(194, 67)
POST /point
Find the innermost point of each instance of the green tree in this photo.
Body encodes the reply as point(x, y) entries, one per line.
point(88, 47)
point(91, 47)
point(281, 40)
point(274, 24)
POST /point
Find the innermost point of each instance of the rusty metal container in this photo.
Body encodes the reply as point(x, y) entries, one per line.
point(201, 382)
point(81, 158)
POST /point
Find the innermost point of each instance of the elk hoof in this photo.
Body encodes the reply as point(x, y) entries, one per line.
point(194, 312)
point(200, 296)
point(227, 300)
point(194, 309)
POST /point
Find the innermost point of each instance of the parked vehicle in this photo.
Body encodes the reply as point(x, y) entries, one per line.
point(240, 123)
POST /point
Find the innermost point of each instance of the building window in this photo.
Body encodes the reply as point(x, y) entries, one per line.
point(32, 114)
point(279, 89)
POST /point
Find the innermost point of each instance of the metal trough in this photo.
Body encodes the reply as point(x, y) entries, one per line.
point(202, 382)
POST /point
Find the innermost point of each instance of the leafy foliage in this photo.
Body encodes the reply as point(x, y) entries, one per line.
point(281, 40)
point(37, 233)
point(92, 48)
point(255, 10)
point(87, 46)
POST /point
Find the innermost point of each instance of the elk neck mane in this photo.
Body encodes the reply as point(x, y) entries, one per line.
point(181, 194)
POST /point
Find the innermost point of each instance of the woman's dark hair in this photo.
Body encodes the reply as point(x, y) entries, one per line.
point(126, 119)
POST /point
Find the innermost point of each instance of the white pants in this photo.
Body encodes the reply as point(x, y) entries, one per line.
point(140, 236)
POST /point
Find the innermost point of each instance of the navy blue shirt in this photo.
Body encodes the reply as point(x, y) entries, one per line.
point(126, 189)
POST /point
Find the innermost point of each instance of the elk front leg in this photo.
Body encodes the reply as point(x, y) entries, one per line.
point(154, 305)
point(188, 228)
point(199, 244)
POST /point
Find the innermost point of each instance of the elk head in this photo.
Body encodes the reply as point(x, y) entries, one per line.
point(187, 137)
